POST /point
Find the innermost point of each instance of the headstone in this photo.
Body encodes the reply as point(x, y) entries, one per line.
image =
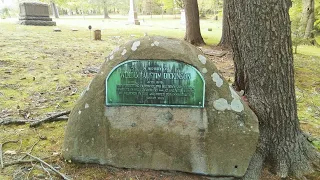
point(57, 30)
point(159, 103)
point(97, 35)
point(35, 13)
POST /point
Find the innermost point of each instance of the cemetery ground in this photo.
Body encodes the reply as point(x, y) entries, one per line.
point(43, 72)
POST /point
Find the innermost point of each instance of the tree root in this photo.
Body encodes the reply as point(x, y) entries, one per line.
point(255, 167)
point(297, 160)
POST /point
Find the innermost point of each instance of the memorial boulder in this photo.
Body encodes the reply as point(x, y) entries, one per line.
point(159, 103)
point(35, 13)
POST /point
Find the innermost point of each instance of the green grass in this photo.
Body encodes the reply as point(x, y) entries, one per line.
point(309, 50)
point(40, 69)
point(318, 39)
point(307, 70)
point(307, 79)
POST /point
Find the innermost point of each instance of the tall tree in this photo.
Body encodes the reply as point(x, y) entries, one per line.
point(53, 4)
point(193, 34)
point(262, 47)
point(55, 11)
point(225, 40)
point(105, 4)
point(179, 3)
point(105, 9)
point(307, 20)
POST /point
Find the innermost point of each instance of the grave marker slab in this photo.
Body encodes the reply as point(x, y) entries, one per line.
point(35, 13)
point(112, 124)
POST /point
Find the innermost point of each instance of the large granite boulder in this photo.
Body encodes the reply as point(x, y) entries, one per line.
point(35, 13)
point(218, 139)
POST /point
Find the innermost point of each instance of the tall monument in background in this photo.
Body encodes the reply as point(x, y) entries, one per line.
point(133, 16)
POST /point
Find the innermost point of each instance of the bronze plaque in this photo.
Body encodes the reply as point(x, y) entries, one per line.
point(155, 83)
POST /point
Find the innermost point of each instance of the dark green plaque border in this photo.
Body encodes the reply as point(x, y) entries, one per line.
point(157, 105)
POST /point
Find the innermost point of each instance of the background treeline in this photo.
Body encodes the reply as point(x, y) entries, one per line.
point(305, 14)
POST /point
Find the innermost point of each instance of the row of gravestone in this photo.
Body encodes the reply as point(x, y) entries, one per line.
point(36, 13)
point(159, 103)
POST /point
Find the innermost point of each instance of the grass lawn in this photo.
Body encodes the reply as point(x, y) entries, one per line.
point(42, 71)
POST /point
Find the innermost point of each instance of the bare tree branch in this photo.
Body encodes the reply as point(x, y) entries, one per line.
point(52, 168)
point(20, 161)
point(49, 119)
point(10, 121)
point(45, 169)
point(30, 150)
point(1, 157)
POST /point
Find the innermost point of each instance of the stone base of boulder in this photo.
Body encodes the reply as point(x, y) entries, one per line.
point(216, 140)
point(37, 22)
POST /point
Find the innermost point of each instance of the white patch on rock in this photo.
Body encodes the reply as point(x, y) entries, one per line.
point(86, 106)
point(202, 59)
point(217, 79)
point(204, 70)
point(221, 104)
point(88, 87)
point(79, 112)
point(135, 45)
point(237, 105)
point(111, 57)
point(152, 44)
point(124, 52)
point(156, 43)
point(234, 94)
point(83, 92)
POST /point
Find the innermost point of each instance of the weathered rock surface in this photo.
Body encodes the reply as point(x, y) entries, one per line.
point(218, 140)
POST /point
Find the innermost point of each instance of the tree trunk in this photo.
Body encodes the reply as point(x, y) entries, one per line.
point(55, 11)
point(193, 34)
point(225, 38)
point(261, 43)
point(307, 18)
point(105, 10)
